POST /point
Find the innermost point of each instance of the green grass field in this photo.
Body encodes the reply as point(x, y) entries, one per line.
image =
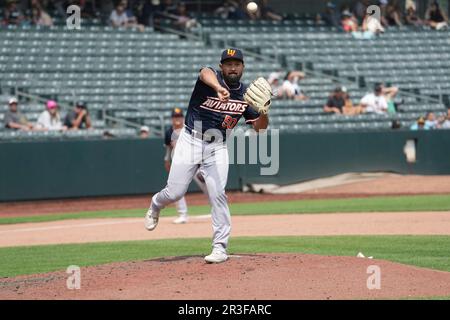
point(424, 251)
point(372, 204)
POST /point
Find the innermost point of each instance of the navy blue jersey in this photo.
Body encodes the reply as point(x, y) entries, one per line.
point(206, 107)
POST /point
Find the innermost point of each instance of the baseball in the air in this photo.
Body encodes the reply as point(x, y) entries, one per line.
point(252, 7)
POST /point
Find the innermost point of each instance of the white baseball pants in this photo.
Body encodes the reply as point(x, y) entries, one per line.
point(182, 207)
point(191, 154)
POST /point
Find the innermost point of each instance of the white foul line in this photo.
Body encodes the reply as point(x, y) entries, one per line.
point(73, 226)
point(135, 220)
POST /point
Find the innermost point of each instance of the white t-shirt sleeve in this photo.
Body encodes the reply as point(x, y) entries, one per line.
point(113, 17)
point(44, 120)
point(56, 125)
point(383, 104)
point(118, 20)
point(368, 100)
point(288, 88)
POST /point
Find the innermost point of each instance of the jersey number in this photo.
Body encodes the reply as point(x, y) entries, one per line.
point(229, 122)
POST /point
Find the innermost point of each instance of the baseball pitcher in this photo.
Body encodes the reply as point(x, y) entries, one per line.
point(217, 103)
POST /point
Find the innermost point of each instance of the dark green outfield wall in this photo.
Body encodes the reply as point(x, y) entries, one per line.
point(58, 169)
point(312, 155)
point(35, 170)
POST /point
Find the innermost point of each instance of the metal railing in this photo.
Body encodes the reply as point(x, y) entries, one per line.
point(66, 107)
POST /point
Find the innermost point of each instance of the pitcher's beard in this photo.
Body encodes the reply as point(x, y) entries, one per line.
point(232, 80)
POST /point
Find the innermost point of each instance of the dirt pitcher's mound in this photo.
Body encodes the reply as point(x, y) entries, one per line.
point(266, 276)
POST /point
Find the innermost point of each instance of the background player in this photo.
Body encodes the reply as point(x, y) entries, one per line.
point(216, 105)
point(170, 140)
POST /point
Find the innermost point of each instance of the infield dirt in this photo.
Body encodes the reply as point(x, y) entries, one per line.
point(264, 276)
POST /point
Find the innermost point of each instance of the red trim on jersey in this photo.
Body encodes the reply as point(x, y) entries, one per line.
point(251, 120)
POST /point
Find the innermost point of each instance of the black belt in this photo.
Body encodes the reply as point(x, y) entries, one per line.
point(196, 134)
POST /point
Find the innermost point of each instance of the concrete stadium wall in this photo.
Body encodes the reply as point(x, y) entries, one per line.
point(62, 169)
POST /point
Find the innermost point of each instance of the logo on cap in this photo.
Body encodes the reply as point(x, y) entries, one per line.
point(177, 112)
point(231, 52)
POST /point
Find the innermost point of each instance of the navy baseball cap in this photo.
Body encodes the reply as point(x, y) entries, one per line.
point(177, 112)
point(232, 53)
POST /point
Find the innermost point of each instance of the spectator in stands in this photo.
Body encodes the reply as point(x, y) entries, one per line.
point(393, 13)
point(168, 7)
point(382, 100)
point(264, 11)
point(420, 124)
point(372, 25)
point(290, 88)
point(444, 122)
point(389, 93)
point(349, 22)
point(431, 121)
point(349, 109)
point(39, 16)
point(331, 16)
point(78, 118)
point(145, 11)
point(335, 102)
point(12, 14)
point(119, 18)
point(89, 8)
point(435, 17)
point(274, 80)
point(50, 119)
point(359, 10)
point(411, 17)
point(231, 9)
point(375, 102)
point(183, 21)
point(14, 119)
point(226, 10)
point(130, 11)
point(144, 132)
point(382, 4)
point(268, 12)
